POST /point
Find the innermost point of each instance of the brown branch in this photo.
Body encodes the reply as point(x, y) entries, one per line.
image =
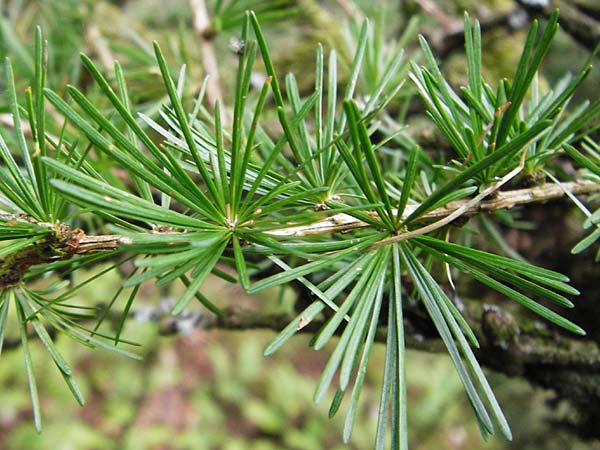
point(60, 244)
point(516, 346)
point(504, 344)
point(63, 243)
point(101, 243)
point(206, 34)
point(434, 10)
point(581, 21)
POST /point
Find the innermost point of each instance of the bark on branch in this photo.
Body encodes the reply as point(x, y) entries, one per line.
point(507, 344)
point(578, 18)
point(510, 344)
point(517, 346)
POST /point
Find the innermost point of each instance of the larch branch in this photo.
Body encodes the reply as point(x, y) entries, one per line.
point(62, 242)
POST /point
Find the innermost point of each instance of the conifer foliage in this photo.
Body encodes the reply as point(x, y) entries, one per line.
point(339, 199)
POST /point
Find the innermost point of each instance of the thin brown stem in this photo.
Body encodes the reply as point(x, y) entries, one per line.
point(206, 34)
point(502, 200)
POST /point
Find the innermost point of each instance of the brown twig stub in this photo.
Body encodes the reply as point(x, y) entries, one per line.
point(61, 244)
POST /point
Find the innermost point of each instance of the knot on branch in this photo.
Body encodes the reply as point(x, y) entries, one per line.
point(209, 33)
point(61, 244)
point(499, 327)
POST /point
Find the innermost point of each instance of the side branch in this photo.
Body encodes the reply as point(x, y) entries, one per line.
point(502, 200)
point(537, 352)
point(505, 346)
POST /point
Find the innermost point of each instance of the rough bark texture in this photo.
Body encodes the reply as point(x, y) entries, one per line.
point(579, 18)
